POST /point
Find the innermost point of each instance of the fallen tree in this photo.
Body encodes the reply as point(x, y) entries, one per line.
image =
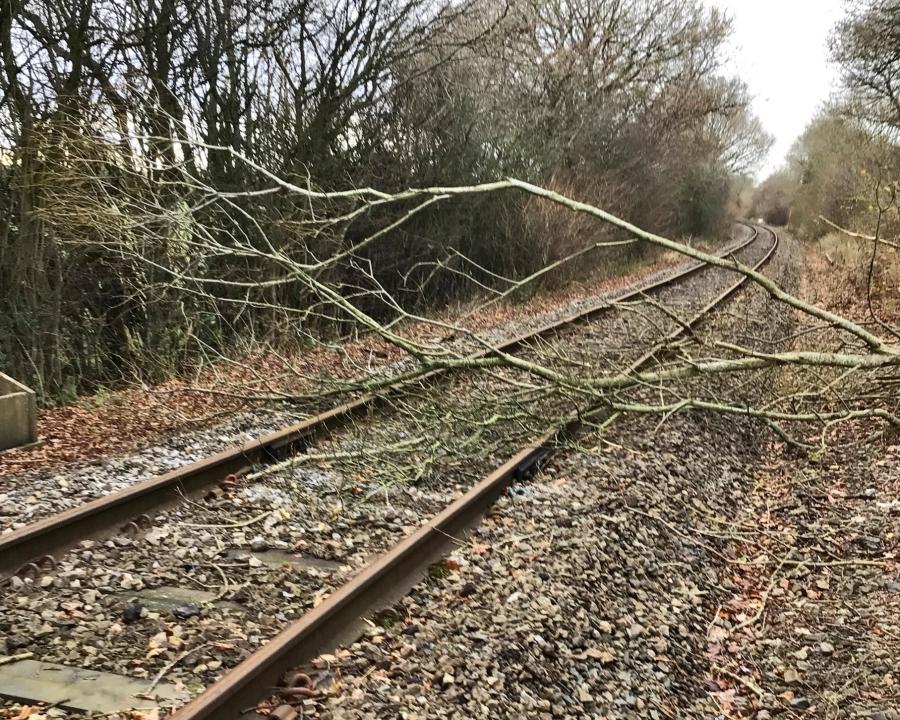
point(363, 305)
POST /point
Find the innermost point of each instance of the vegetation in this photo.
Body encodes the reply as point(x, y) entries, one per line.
point(133, 133)
point(845, 167)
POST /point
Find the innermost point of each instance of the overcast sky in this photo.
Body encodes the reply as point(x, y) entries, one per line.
point(780, 48)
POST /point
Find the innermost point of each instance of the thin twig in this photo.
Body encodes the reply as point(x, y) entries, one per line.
point(241, 524)
point(167, 668)
point(15, 658)
point(765, 596)
point(746, 682)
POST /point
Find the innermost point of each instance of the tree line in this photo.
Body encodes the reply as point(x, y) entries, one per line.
point(150, 128)
point(845, 168)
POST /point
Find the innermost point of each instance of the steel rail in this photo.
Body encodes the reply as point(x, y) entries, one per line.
point(396, 571)
point(59, 532)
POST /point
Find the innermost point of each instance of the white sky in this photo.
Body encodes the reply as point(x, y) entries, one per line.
point(780, 49)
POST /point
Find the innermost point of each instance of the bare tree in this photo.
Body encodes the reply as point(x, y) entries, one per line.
point(866, 45)
point(619, 102)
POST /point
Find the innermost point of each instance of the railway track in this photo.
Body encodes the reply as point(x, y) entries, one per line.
point(369, 583)
point(57, 533)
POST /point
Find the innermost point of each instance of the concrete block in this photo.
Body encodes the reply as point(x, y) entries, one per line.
point(83, 690)
point(18, 414)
